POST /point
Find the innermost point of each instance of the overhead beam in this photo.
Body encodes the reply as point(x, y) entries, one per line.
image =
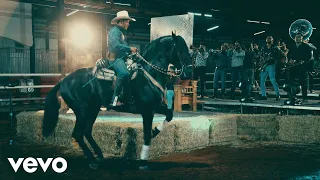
point(94, 7)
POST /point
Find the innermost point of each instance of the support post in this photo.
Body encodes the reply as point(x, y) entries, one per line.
point(61, 39)
point(32, 48)
point(177, 98)
point(103, 36)
point(194, 95)
point(62, 47)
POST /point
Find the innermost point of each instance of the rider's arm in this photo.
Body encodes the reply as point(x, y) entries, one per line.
point(115, 38)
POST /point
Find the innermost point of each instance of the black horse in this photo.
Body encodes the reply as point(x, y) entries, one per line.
point(86, 100)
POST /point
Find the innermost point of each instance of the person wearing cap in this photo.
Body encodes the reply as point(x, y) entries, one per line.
point(118, 50)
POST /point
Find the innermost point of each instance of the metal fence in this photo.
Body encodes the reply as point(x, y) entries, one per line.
point(17, 60)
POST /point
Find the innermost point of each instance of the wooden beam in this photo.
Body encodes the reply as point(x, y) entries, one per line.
point(95, 7)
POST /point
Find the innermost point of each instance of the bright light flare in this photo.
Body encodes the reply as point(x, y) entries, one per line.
point(81, 35)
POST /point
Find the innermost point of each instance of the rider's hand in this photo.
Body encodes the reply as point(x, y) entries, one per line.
point(133, 49)
point(291, 61)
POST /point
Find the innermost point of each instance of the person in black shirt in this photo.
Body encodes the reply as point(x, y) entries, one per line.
point(248, 73)
point(311, 64)
point(299, 57)
point(280, 64)
point(221, 60)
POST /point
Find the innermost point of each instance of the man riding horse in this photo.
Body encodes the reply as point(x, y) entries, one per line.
point(118, 50)
point(84, 93)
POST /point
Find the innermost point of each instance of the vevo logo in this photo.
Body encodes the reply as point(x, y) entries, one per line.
point(30, 165)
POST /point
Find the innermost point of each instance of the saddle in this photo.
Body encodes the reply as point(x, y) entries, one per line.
point(104, 69)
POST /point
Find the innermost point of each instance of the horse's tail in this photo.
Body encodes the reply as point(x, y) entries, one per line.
point(51, 111)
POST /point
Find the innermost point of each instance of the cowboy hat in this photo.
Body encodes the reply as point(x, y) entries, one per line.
point(122, 15)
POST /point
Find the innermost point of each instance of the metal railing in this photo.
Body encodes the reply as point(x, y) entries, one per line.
point(8, 88)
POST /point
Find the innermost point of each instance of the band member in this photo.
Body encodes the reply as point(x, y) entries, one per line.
point(312, 64)
point(270, 54)
point(299, 57)
point(248, 72)
point(118, 49)
point(237, 55)
point(281, 64)
point(257, 56)
point(201, 55)
point(221, 60)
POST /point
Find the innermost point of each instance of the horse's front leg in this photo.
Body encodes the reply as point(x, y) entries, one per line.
point(161, 126)
point(147, 126)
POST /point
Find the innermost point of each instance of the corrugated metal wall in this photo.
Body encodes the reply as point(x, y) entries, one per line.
point(5, 42)
point(46, 61)
point(14, 60)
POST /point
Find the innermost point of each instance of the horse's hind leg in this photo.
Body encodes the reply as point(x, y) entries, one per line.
point(78, 133)
point(90, 119)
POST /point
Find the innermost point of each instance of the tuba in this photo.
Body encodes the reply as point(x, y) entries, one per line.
point(301, 26)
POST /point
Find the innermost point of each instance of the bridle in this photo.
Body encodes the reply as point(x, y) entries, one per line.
point(178, 72)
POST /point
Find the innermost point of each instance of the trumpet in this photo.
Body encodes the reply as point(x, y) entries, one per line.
point(215, 51)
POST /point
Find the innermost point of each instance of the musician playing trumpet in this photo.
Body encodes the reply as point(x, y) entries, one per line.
point(221, 60)
point(269, 56)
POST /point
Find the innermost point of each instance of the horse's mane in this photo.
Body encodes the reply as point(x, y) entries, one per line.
point(154, 45)
point(158, 48)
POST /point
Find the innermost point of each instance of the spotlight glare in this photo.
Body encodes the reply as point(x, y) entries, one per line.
point(81, 35)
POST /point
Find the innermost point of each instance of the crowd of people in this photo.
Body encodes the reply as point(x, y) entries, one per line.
point(250, 66)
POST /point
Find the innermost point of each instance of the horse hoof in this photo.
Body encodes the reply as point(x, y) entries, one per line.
point(94, 166)
point(143, 168)
point(155, 132)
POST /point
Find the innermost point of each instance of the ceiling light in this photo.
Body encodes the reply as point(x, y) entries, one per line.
point(259, 33)
point(72, 12)
point(122, 4)
point(253, 21)
point(196, 14)
point(210, 29)
point(208, 15)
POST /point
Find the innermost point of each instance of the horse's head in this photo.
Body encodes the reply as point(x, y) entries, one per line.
point(179, 54)
point(173, 48)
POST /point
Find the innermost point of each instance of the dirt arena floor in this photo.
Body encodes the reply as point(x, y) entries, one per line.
point(241, 160)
